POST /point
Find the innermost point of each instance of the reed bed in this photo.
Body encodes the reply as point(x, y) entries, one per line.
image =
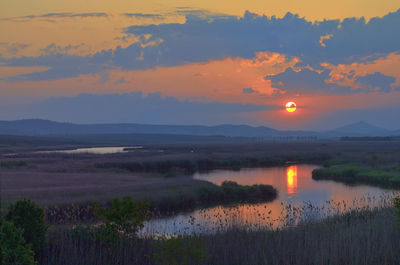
point(365, 232)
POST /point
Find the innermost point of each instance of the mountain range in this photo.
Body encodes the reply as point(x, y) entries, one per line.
point(39, 127)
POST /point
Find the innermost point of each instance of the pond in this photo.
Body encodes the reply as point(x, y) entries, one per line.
point(97, 150)
point(300, 198)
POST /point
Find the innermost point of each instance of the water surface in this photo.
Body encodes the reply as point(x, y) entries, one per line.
point(97, 150)
point(300, 197)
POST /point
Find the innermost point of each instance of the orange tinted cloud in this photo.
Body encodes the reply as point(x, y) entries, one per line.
point(345, 74)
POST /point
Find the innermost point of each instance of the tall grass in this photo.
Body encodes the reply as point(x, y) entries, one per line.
point(363, 235)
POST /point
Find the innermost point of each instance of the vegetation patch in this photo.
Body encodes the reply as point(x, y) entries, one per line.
point(12, 164)
point(359, 173)
point(331, 241)
point(230, 191)
point(202, 165)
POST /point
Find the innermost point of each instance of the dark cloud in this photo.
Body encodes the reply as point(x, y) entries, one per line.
point(135, 107)
point(308, 81)
point(249, 90)
point(305, 81)
point(376, 82)
point(61, 66)
point(205, 36)
point(121, 81)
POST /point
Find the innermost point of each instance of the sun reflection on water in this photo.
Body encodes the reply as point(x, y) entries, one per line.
point(291, 179)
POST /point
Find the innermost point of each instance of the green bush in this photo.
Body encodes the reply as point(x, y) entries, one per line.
point(123, 218)
point(28, 216)
point(180, 250)
point(397, 205)
point(13, 249)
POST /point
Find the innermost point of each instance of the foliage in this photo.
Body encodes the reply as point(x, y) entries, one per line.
point(29, 216)
point(397, 205)
point(358, 173)
point(13, 249)
point(230, 191)
point(124, 217)
point(12, 164)
point(180, 250)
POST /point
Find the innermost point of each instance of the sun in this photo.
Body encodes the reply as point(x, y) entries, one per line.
point(291, 106)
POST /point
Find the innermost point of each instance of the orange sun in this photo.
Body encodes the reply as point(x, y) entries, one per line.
point(291, 106)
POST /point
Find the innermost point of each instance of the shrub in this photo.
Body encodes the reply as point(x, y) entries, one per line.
point(180, 250)
point(13, 249)
point(123, 217)
point(397, 205)
point(28, 216)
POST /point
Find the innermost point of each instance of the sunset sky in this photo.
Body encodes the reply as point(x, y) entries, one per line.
point(201, 62)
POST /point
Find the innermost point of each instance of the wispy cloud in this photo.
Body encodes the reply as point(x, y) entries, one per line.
point(57, 15)
point(143, 15)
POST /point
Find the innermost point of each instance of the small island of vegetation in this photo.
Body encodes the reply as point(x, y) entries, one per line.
point(358, 173)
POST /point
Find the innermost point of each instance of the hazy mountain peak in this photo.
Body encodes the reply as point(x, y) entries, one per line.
point(361, 128)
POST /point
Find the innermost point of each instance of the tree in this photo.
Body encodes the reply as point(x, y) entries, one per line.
point(29, 217)
point(124, 217)
point(13, 249)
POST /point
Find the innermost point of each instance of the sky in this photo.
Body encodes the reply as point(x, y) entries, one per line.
point(201, 62)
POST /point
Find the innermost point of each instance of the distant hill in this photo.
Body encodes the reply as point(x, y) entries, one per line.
point(38, 127)
point(396, 133)
point(34, 127)
point(360, 129)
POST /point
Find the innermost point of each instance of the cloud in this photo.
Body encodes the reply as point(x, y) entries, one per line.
point(57, 49)
point(142, 15)
point(249, 90)
point(205, 36)
point(12, 48)
point(305, 81)
point(376, 82)
point(213, 37)
point(61, 66)
point(56, 15)
point(136, 107)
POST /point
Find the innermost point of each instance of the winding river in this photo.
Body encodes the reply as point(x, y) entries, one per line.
point(300, 198)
